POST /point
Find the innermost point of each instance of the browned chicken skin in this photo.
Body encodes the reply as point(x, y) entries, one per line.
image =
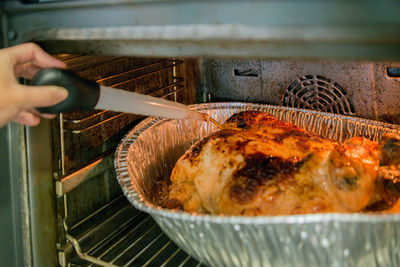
point(260, 165)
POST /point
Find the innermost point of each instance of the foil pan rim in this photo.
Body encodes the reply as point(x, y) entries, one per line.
point(140, 203)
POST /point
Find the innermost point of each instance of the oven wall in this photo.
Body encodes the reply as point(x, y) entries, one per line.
point(15, 236)
point(365, 88)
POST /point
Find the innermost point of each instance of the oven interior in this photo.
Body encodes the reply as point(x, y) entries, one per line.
point(95, 223)
point(67, 204)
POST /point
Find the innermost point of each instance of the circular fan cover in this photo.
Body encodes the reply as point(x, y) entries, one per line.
point(318, 93)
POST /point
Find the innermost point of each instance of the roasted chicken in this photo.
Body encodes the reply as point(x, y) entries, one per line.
point(260, 165)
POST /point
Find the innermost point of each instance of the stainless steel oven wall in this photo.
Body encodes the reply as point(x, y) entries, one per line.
point(15, 235)
point(366, 89)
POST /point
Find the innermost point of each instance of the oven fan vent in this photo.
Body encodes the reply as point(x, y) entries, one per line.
point(318, 93)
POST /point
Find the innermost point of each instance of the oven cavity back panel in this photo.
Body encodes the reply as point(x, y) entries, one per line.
point(318, 93)
point(267, 81)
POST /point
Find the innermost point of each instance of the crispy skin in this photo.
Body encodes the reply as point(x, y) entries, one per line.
point(387, 189)
point(263, 166)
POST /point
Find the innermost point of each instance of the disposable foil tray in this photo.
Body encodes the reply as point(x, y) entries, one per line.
point(151, 149)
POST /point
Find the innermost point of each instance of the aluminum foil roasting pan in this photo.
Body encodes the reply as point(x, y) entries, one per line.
point(151, 149)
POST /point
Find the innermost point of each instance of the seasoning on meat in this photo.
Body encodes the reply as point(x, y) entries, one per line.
point(263, 166)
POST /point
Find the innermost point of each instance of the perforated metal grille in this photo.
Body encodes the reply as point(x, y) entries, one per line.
point(318, 93)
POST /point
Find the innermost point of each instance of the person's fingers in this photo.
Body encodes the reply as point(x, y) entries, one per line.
point(26, 70)
point(31, 52)
point(27, 118)
point(30, 97)
point(43, 115)
point(47, 116)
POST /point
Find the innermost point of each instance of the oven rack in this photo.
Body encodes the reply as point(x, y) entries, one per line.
point(126, 238)
point(113, 117)
point(99, 131)
point(94, 120)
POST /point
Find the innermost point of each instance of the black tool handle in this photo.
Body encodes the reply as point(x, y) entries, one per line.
point(83, 94)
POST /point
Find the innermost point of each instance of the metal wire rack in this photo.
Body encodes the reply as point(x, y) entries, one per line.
point(116, 234)
point(136, 241)
point(166, 91)
point(84, 136)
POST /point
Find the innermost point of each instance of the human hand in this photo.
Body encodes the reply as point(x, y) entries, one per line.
point(18, 101)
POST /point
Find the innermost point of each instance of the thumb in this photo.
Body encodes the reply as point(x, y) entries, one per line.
point(40, 96)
